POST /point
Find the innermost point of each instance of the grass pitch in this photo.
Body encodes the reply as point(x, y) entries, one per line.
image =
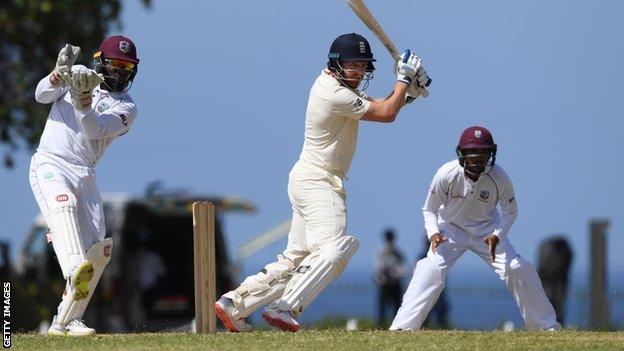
point(332, 340)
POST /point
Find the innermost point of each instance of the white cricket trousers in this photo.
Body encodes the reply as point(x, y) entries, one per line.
point(429, 276)
point(319, 214)
point(319, 221)
point(50, 175)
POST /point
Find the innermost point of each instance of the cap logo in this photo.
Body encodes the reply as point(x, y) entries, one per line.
point(124, 46)
point(362, 47)
point(477, 134)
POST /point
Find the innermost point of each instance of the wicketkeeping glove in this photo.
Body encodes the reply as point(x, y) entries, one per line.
point(64, 62)
point(82, 82)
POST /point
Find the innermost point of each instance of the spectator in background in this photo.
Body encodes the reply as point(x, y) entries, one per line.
point(555, 259)
point(389, 271)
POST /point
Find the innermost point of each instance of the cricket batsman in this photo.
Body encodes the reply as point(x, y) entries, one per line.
point(90, 108)
point(318, 246)
point(461, 214)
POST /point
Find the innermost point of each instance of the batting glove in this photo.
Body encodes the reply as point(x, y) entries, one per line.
point(407, 67)
point(418, 87)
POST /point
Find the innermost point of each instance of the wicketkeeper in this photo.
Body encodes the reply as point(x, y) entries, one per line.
point(90, 108)
point(318, 245)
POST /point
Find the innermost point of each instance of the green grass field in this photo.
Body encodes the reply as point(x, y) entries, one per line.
point(332, 340)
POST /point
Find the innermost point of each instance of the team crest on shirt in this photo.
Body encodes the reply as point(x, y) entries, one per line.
point(484, 195)
point(357, 105)
point(102, 107)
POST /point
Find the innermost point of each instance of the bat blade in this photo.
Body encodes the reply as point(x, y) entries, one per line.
point(360, 9)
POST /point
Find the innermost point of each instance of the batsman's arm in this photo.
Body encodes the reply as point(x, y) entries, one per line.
point(386, 110)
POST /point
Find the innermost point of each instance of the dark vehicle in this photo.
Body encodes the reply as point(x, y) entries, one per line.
point(148, 284)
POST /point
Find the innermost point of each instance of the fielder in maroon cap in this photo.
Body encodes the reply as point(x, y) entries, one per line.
point(471, 205)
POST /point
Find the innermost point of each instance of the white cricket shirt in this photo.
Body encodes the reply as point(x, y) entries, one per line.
point(331, 126)
point(82, 137)
point(470, 206)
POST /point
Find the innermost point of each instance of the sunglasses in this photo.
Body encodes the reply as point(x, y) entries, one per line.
point(119, 64)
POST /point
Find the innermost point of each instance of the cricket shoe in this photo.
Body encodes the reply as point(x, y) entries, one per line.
point(554, 328)
point(80, 279)
point(224, 309)
point(56, 328)
point(77, 327)
point(280, 319)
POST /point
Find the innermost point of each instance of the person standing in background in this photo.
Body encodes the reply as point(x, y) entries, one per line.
point(389, 272)
point(555, 259)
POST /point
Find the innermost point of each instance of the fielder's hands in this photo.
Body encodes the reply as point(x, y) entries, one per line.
point(436, 240)
point(82, 82)
point(491, 241)
point(64, 62)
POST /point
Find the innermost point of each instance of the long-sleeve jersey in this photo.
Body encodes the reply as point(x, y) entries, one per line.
point(81, 137)
point(455, 199)
point(331, 128)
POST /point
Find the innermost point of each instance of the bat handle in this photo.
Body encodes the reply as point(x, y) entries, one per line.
point(406, 55)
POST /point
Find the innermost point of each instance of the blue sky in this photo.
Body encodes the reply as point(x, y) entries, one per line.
point(222, 90)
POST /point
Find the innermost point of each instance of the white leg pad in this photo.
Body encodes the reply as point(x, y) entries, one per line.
point(66, 240)
point(316, 272)
point(99, 255)
point(262, 288)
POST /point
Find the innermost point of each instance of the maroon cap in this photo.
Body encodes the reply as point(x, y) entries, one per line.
point(119, 47)
point(476, 138)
